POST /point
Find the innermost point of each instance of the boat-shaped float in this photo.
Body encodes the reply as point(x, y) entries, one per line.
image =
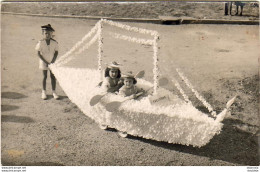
point(174, 121)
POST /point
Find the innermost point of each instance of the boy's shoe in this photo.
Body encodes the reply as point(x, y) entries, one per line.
point(55, 96)
point(44, 96)
point(122, 134)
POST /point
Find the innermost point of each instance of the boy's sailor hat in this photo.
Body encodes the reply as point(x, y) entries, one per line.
point(128, 75)
point(114, 65)
point(47, 28)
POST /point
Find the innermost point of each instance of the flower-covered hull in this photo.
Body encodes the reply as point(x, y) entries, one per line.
point(177, 122)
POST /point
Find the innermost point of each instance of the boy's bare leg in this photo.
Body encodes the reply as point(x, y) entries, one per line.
point(44, 79)
point(44, 96)
point(53, 85)
point(53, 81)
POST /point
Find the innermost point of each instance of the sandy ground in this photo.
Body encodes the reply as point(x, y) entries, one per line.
point(220, 60)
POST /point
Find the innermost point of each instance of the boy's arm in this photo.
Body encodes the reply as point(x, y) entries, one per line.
point(121, 92)
point(106, 86)
point(138, 92)
point(42, 58)
point(120, 84)
point(55, 56)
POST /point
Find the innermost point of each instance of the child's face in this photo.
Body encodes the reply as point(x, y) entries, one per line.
point(128, 82)
point(113, 73)
point(47, 34)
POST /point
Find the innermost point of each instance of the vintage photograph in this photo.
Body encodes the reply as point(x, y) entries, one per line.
point(152, 83)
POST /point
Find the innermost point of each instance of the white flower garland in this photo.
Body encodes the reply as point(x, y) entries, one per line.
point(179, 123)
point(205, 103)
point(141, 41)
point(155, 63)
point(98, 28)
point(132, 39)
point(129, 28)
point(78, 44)
point(186, 98)
point(100, 48)
point(86, 46)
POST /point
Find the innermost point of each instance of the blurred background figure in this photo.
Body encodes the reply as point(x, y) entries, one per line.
point(228, 7)
point(238, 4)
point(227, 4)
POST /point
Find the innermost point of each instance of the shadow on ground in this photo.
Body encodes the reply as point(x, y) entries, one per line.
point(12, 95)
point(231, 145)
point(60, 97)
point(63, 97)
point(17, 119)
point(8, 107)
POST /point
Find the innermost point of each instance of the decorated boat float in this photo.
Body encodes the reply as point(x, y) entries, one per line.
point(161, 116)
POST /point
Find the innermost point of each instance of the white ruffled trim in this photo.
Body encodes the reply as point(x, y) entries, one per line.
point(204, 102)
point(129, 28)
point(155, 63)
point(85, 47)
point(186, 98)
point(98, 36)
point(178, 122)
point(175, 122)
point(100, 48)
point(132, 39)
point(78, 44)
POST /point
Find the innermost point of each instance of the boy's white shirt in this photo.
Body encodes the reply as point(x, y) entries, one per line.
point(47, 51)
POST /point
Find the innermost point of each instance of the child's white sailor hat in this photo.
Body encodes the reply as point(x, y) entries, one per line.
point(128, 75)
point(114, 65)
point(47, 28)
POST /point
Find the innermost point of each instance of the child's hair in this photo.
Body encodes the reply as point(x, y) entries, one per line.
point(134, 82)
point(107, 72)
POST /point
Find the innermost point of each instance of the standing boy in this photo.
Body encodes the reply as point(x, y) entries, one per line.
point(47, 51)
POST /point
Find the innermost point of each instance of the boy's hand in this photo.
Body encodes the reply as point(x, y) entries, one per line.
point(54, 57)
point(131, 97)
point(119, 85)
point(42, 58)
point(134, 96)
point(120, 82)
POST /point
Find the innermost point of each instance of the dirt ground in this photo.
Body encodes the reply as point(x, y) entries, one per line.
point(221, 61)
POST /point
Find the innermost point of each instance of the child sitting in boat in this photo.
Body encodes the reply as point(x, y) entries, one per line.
point(129, 88)
point(112, 81)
